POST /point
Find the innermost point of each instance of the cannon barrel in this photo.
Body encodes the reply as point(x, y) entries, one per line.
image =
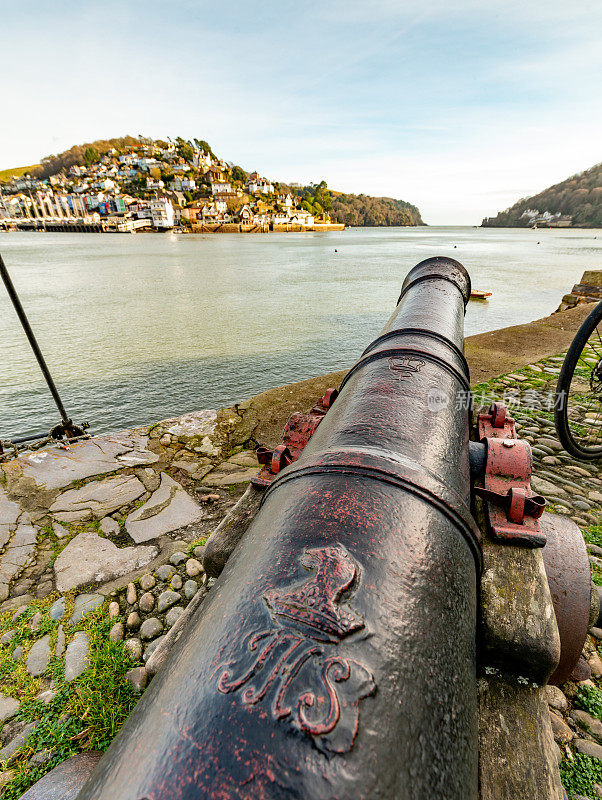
point(335, 657)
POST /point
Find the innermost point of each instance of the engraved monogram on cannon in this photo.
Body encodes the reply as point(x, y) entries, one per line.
point(295, 664)
point(406, 366)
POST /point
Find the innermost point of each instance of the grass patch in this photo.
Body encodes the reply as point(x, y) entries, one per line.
point(7, 174)
point(593, 535)
point(589, 698)
point(85, 713)
point(579, 774)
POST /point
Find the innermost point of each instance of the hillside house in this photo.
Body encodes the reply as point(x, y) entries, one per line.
point(221, 188)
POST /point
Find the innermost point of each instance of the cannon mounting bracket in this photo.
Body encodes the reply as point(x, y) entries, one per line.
point(512, 510)
point(298, 431)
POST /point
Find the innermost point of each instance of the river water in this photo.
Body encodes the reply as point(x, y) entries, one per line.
point(139, 328)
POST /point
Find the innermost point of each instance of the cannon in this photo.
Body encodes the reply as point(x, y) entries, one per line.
point(339, 653)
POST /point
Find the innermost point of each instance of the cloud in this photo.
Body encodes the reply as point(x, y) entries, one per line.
point(445, 105)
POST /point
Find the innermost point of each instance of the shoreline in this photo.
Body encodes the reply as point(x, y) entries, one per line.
point(223, 227)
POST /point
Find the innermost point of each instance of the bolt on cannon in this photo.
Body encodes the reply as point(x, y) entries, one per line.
point(376, 619)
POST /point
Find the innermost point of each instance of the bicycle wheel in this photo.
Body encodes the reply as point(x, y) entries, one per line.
point(578, 402)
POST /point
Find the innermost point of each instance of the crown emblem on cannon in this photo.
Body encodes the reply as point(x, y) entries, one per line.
point(313, 606)
point(405, 365)
point(296, 662)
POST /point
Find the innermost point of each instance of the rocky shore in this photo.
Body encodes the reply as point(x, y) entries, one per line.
point(102, 546)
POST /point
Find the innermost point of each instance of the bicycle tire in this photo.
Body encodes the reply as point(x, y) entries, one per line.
point(567, 371)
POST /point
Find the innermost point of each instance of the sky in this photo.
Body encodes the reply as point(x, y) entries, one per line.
point(460, 107)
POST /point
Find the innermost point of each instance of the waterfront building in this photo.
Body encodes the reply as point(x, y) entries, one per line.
point(162, 214)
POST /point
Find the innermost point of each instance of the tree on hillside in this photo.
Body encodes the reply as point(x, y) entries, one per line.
point(204, 146)
point(238, 174)
point(184, 149)
point(52, 165)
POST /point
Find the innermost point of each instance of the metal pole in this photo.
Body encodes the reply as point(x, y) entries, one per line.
point(32, 340)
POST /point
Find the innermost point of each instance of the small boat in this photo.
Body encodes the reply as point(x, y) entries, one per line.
point(477, 295)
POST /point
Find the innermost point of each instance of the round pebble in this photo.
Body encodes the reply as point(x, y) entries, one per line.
point(17, 653)
point(150, 628)
point(167, 599)
point(138, 677)
point(133, 620)
point(193, 567)
point(114, 609)
point(117, 632)
point(165, 573)
point(172, 615)
point(198, 551)
point(177, 558)
point(556, 698)
point(57, 609)
point(147, 602)
point(150, 648)
point(176, 583)
point(35, 622)
point(190, 589)
point(134, 648)
point(131, 595)
point(147, 582)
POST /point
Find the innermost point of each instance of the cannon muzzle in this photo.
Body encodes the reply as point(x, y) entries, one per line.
point(335, 657)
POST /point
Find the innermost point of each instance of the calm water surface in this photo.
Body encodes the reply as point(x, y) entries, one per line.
point(139, 328)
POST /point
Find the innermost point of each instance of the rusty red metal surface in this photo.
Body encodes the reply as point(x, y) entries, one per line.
point(297, 432)
point(512, 509)
point(567, 568)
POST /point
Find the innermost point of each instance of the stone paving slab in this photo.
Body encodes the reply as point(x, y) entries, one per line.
point(89, 558)
point(170, 507)
point(229, 475)
point(189, 426)
point(97, 499)
point(56, 468)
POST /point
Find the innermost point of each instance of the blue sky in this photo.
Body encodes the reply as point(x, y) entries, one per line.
point(461, 108)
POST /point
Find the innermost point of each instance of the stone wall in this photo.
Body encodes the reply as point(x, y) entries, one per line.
point(588, 290)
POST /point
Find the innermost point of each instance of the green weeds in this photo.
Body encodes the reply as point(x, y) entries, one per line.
point(85, 714)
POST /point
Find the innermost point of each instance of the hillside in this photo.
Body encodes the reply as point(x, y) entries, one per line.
point(363, 210)
point(316, 199)
point(578, 197)
point(7, 174)
point(359, 210)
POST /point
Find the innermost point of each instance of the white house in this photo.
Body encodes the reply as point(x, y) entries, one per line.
point(246, 215)
point(154, 183)
point(201, 159)
point(221, 187)
point(183, 184)
point(301, 217)
point(162, 214)
point(105, 185)
point(285, 200)
point(262, 185)
point(146, 164)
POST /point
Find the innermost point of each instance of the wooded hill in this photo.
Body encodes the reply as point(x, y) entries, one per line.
point(357, 209)
point(352, 209)
point(578, 197)
point(363, 210)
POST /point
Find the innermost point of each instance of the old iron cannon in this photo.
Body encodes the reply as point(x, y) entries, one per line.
point(341, 654)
